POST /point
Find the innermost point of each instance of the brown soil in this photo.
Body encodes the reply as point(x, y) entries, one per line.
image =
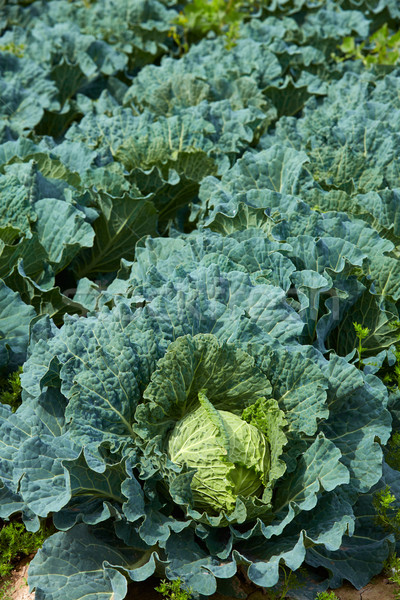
point(15, 586)
point(379, 589)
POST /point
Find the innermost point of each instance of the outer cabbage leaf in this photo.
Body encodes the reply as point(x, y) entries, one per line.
point(81, 562)
point(15, 317)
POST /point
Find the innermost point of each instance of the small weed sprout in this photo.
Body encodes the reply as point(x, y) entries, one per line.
point(361, 333)
point(326, 596)
point(199, 17)
point(16, 541)
point(392, 570)
point(5, 591)
point(173, 590)
point(387, 516)
point(12, 48)
point(10, 389)
point(381, 48)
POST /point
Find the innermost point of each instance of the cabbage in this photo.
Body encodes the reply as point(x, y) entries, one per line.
point(231, 457)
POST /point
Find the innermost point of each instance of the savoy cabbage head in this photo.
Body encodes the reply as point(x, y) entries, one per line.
point(231, 456)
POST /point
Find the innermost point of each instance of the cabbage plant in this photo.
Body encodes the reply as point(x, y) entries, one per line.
point(209, 419)
point(184, 430)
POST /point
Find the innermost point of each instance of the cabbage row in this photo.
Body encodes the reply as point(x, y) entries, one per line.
point(186, 244)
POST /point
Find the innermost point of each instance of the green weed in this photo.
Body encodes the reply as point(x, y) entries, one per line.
point(387, 515)
point(16, 542)
point(5, 591)
point(12, 48)
point(381, 48)
point(10, 389)
point(173, 590)
point(326, 596)
point(199, 17)
point(361, 333)
point(392, 570)
point(6, 588)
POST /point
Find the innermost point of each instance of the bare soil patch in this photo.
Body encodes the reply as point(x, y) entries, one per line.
point(378, 589)
point(16, 584)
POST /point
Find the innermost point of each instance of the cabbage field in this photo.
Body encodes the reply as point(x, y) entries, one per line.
point(200, 292)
